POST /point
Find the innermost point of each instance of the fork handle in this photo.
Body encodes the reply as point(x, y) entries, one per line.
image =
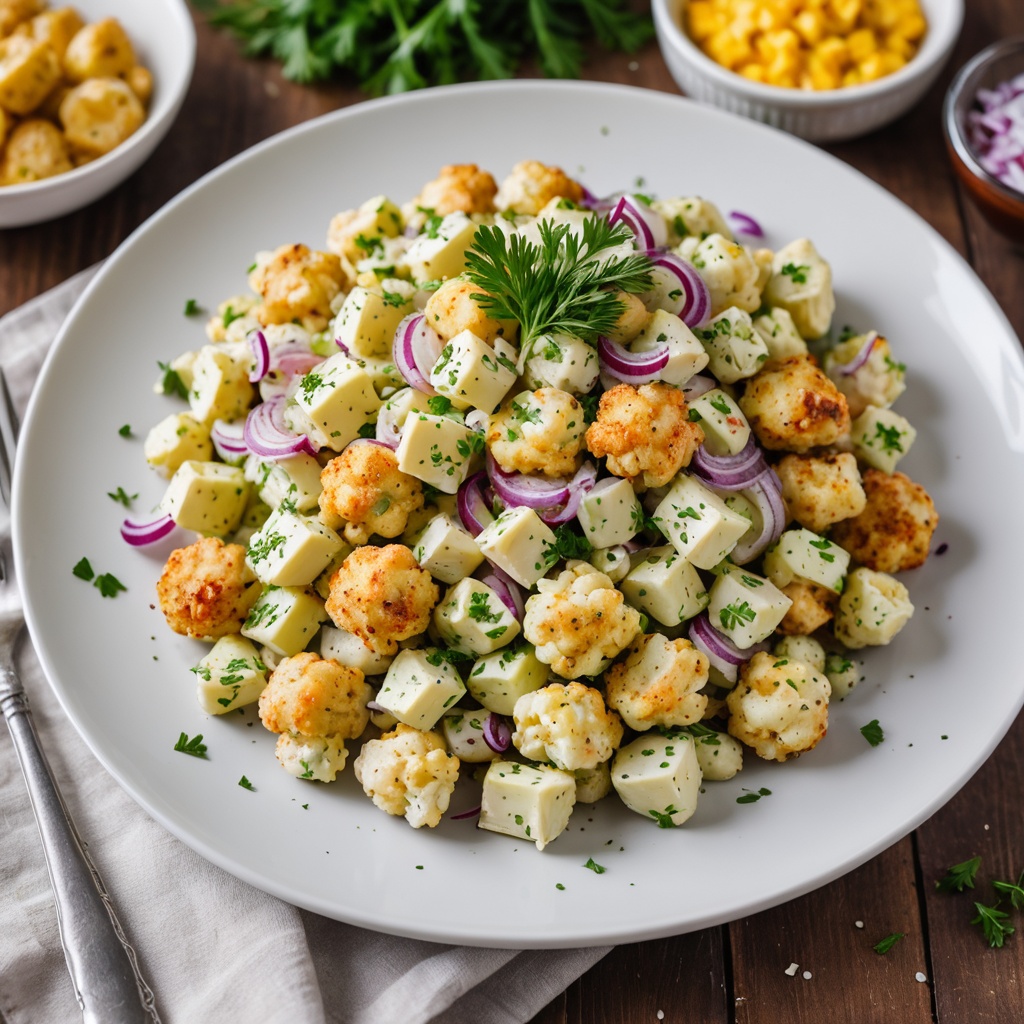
point(104, 968)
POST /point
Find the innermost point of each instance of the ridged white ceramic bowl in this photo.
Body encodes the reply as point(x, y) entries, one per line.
point(164, 39)
point(825, 116)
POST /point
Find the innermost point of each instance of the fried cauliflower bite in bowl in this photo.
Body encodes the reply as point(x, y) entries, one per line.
point(408, 773)
point(206, 589)
point(531, 185)
point(381, 595)
point(458, 188)
point(821, 490)
point(298, 284)
point(538, 432)
point(645, 432)
point(162, 44)
point(366, 492)
point(453, 309)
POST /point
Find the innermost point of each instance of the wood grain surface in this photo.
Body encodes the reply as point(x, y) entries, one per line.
point(942, 969)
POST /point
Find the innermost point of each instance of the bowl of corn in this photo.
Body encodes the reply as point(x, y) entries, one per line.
point(825, 70)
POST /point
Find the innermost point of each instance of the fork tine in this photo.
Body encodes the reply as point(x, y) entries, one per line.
point(8, 438)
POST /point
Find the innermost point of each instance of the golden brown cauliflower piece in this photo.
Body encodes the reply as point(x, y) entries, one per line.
point(795, 407)
point(29, 69)
point(99, 114)
point(452, 309)
point(364, 488)
point(307, 695)
point(819, 490)
point(206, 589)
point(779, 707)
point(812, 607)
point(645, 431)
point(36, 149)
point(56, 28)
point(408, 773)
point(459, 188)
point(532, 185)
point(100, 49)
point(538, 432)
point(297, 283)
point(14, 12)
point(894, 532)
point(658, 683)
point(566, 724)
point(579, 621)
point(382, 596)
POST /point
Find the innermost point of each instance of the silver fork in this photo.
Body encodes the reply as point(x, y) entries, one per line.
point(104, 967)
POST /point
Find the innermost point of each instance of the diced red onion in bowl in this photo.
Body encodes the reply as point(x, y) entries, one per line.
point(228, 440)
point(685, 291)
point(416, 348)
point(579, 485)
point(723, 654)
point(497, 733)
point(261, 356)
point(631, 367)
point(862, 356)
point(142, 532)
point(519, 489)
point(473, 508)
point(510, 593)
point(266, 434)
point(766, 494)
point(730, 472)
point(647, 225)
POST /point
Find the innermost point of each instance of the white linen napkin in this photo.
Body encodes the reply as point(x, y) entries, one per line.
point(214, 949)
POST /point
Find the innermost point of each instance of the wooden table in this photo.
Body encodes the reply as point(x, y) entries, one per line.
point(942, 970)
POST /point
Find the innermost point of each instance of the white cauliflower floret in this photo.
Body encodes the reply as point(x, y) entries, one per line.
point(821, 490)
point(364, 489)
point(532, 185)
point(729, 270)
point(658, 683)
point(803, 648)
point(372, 221)
point(234, 319)
point(801, 282)
point(566, 724)
point(538, 432)
point(779, 333)
point(878, 381)
point(408, 773)
point(780, 710)
point(297, 283)
point(453, 309)
point(319, 758)
point(463, 188)
point(691, 217)
point(579, 621)
point(874, 607)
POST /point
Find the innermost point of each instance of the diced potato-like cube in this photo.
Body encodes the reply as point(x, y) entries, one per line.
point(336, 399)
point(779, 333)
point(726, 430)
point(527, 802)
point(285, 619)
point(441, 251)
point(464, 734)
point(446, 550)
point(666, 587)
point(367, 321)
point(208, 497)
point(520, 543)
point(291, 549)
point(472, 618)
point(658, 777)
point(802, 555)
point(230, 676)
point(29, 69)
point(735, 350)
point(416, 691)
point(699, 523)
point(561, 361)
point(746, 607)
point(100, 49)
point(220, 385)
point(347, 649)
point(472, 374)
point(176, 439)
point(873, 609)
point(437, 450)
point(610, 513)
point(294, 478)
point(499, 679)
point(881, 437)
point(686, 355)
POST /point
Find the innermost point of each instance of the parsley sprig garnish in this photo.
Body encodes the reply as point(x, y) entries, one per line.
point(994, 922)
point(195, 746)
point(959, 876)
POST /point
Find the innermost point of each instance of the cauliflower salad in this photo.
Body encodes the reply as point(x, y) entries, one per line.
point(574, 496)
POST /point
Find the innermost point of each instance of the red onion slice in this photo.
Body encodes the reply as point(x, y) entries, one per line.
point(766, 494)
point(746, 225)
point(683, 291)
point(862, 356)
point(497, 733)
point(510, 593)
point(294, 360)
point(261, 355)
point(698, 385)
point(266, 434)
point(141, 532)
point(631, 367)
point(228, 440)
point(387, 429)
point(723, 654)
point(579, 485)
point(473, 812)
point(417, 347)
point(647, 225)
point(730, 472)
point(472, 506)
point(518, 489)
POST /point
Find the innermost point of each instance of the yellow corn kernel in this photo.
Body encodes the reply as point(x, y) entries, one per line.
point(861, 44)
point(852, 77)
point(871, 68)
point(891, 61)
point(822, 75)
point(844, 15)
point(754, 72)
point(911, 26)
point(810, 26)
point(703, 20)
point(729, 50)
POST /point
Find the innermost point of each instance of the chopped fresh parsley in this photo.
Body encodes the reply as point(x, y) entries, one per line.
point(480, 608)
point(194, 746)
point(887, 943)
point(108, 584)
point(994, 923)
point(446, 654)
point(439, 405)
point(872, 732)
point(122, 496)
point(598, 869)
point(959, 876)
point(171, 382)
point(1015, 890)
point(664, 818)
point(192, 308)
point(126, 430)
point(750, 797)
point(246, 784)
point(83, 570)
point(797, 271)
point(568, 544)
point(732, 615)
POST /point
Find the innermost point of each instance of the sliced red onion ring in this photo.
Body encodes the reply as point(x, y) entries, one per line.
point(723, 654)
point(473, 812)
point(510, 593)
point(631, 367)
point(647, 225)
point(228, 440)
point(497, 733)
point(518, 489)
point(477, 419)
point(261, 354)
point(140, 532)
point(730, 472)
point(417, 347)
point(679, 288)
point(372, 705)
point(294, 359)
point(766, 494)
point(579, 485)
point(369, 440)
point(746, 225)
point(862, 356)
point(472, 506)
point(266, 434)
point(387, 429)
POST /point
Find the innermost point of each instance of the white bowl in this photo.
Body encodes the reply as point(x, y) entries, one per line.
point(164, 39)
point(824, 116)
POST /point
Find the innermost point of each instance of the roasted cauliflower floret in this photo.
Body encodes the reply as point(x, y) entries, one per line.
point(350, 230)
point(819, 490)
point(795, 407)
point(307, 695)
point(579, 621)
point(297, 283)
point(691, 217)
point(364, 488)
point(812, 607)
point(894, 531)
point(382, 596)
point(538, 432)
point(801, 282)
point(452, 309)
point(35, 150)
point(320, 758)
point(779, 707)
point(99, 114)
point(206, 589)
point(873, 609)
point(408, 773)
point(461, 188)
point(658, 683)
point(645, 432)
point(730, 272)
point(566, 724)
point(878, 381)
point(532, 185)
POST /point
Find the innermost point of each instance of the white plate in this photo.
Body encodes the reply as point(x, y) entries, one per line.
point(942, 692)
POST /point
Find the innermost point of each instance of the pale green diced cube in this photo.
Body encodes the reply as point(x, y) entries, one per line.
point(699, 524)
point(177, 438)
point(613, 562)
point(881, 437)
point(285, 619)
point(347, 649)
point(291, 549)
point(472, 374)
point(446, 550)
point(734, 348)
point(746, 607)
point(207, 497)
point(726, 430)
point(230, 676)
point(294, 478)
point(378, 217)
point(527, 802)
point(658, 777)
point(441, 252)
point(473, 619)
point(665, 586)
point(561, 361)
point(220, 389)
point(801, 554)
point(417, 692)
point(464, 734)
point(520, 543)
point(719, 755)
point(367, 320)
point(442, 504)
point(779, 333)
point(499, 679)
point(610, 513)
point(336, 399)
point(437, 450)
point(686, 355)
